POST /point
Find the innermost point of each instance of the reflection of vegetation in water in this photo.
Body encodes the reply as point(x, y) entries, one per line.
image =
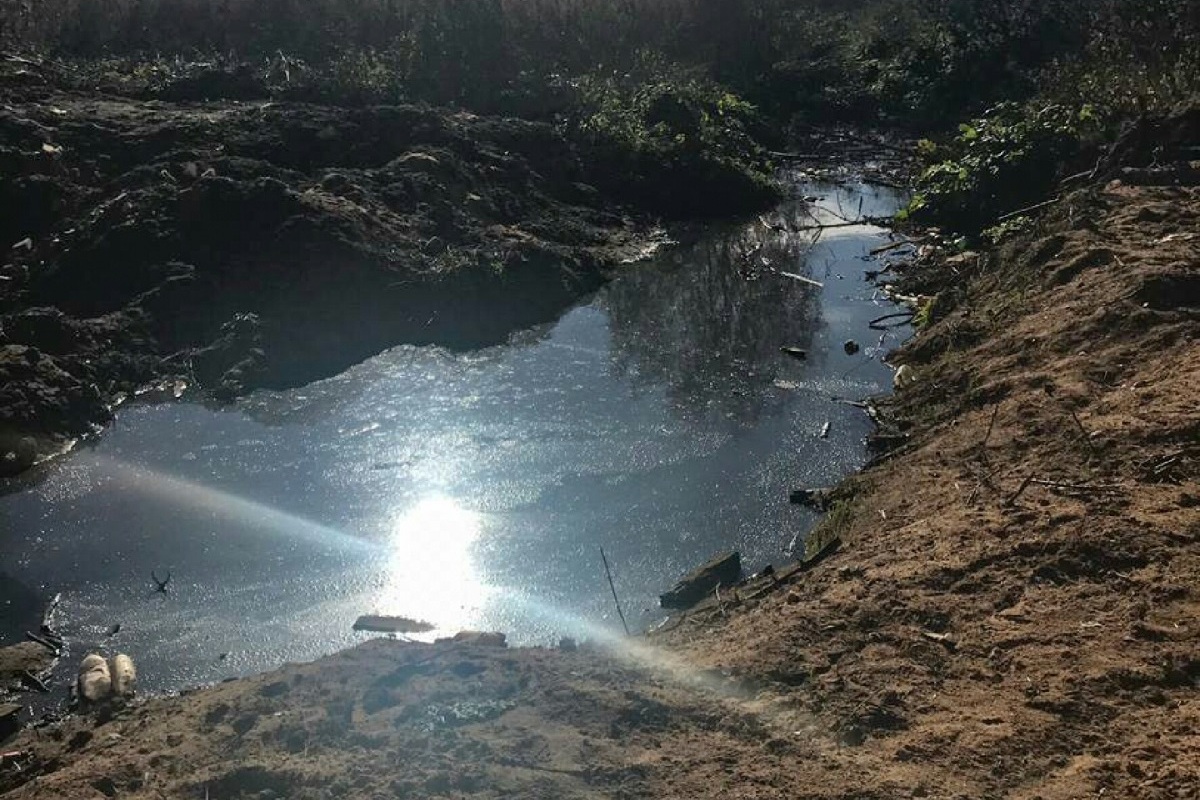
point(708, 321)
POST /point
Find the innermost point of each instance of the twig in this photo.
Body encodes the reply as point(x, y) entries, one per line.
point(44, 642)
point(798, 156)
point(800, 278)
point(1020, 491)
point(820, 226)
point(1087, 173)
point(888, 247)
point(1079, 487)
point(612, 587)
point(1027, 209)
point(1087, 437)
point(991, 424)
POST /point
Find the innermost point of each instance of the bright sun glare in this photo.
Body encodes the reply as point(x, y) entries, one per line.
point(431, 570)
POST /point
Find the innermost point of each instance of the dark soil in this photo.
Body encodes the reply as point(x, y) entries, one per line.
point(232, 245)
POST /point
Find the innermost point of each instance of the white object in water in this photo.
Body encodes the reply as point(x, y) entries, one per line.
point(95, 681)
point(124, 675)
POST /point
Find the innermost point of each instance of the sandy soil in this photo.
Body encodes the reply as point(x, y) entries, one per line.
point(1012, 611)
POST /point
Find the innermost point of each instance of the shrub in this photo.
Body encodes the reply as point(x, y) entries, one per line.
point(670, 139)
point(999, 163)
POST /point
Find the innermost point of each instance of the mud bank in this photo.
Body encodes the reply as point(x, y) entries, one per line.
point(233, 245)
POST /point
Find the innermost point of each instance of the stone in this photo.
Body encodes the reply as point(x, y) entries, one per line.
point(817, 499)
point(481, 638)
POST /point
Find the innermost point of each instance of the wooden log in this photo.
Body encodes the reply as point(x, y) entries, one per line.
point(725, 569)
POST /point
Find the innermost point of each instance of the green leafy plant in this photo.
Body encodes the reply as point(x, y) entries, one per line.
point(671, 136)
point(999, 163)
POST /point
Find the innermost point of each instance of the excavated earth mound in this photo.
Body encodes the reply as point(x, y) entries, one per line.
point(236, 245)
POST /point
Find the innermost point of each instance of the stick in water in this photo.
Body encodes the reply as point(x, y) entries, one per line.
point(608, 573)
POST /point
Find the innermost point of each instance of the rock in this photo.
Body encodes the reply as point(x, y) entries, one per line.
point(851, 347)
point(481, 638)
point(47, 329)
point(905, 376)
point(94, 684)
point(17, 454)
point(123, 674)
point(25, 657)
point(795, 352)
point(818, 499)
point(722, 570)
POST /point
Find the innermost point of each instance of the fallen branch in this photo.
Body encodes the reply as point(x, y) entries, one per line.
point(848, 223)
point(34, 682)
point(876, 323)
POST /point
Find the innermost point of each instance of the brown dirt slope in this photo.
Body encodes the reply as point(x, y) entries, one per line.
point(1012, 613)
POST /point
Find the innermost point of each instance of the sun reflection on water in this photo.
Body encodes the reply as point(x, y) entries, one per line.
point(431, 573)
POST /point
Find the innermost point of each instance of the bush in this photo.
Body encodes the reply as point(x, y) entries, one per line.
point(999, 163)
point(669, 139)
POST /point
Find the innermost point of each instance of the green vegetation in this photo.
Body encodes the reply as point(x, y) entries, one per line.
point(1001, 162)
point(677, 94)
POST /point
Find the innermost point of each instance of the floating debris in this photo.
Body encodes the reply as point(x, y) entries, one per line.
point(382, 624)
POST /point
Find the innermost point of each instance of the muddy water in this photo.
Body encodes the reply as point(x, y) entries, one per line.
point(658, 419)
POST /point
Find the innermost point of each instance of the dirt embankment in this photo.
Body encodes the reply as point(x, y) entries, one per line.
point(234, 245)
point(1012, 613)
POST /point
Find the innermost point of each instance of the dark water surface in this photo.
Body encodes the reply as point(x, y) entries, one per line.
point(658, 419)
